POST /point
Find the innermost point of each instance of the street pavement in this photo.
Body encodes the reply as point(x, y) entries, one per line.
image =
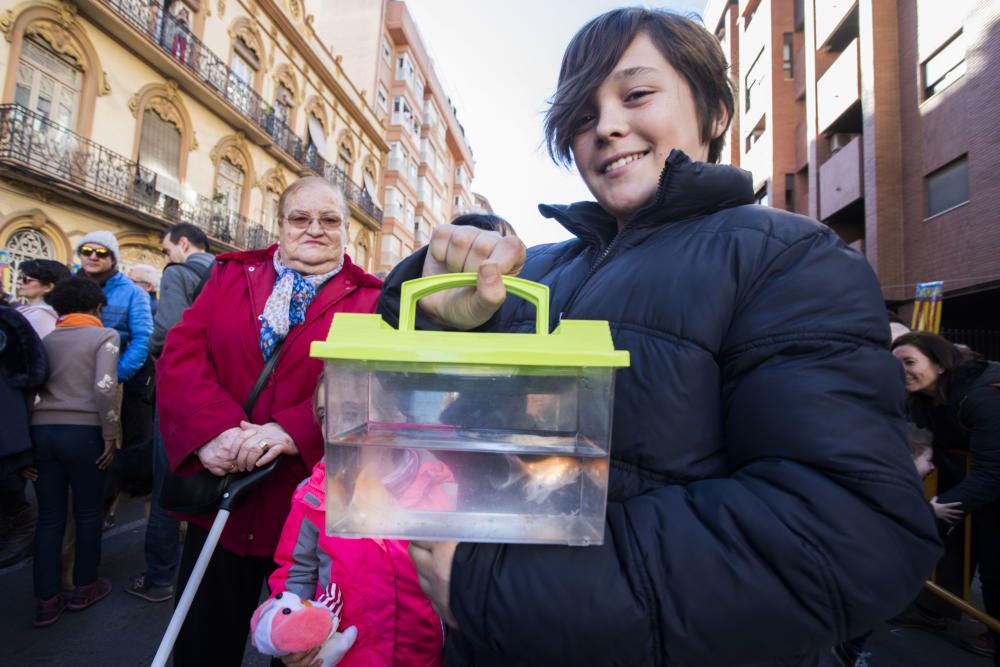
point(124, 631)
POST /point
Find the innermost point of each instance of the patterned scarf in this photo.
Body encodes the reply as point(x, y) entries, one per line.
point(290, 298)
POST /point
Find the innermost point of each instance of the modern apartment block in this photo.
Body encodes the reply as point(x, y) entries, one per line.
point(430, 167)
point(133, 115)
point(876, 117)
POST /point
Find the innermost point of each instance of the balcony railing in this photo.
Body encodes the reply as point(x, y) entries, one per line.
point(354, 192)
point(52, 151)
point(175, 38)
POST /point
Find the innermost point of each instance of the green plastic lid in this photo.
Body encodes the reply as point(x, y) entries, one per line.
point(574, 343)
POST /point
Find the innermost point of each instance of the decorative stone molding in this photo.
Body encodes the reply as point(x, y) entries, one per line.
point(314, 106)
point(245, 29)
point(285, 75)
point(234, 149)
point(221, 6)
point(274, 179)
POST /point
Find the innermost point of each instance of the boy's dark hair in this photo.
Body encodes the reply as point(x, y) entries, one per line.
point(46, 271)
point(595, 50)
point(942, 352)
point(194, 235)
point(487, 221)
point(76, 295)
point(920, 439)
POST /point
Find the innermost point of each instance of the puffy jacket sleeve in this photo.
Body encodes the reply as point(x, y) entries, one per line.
point(140, 326)
point(980, 413)
point(193, 405)
point(819, 531)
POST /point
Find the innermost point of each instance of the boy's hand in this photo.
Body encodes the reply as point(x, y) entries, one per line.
point(947, 512)
point(470, 249)
point(432, 561)
point(303, 659)
point(104, 460)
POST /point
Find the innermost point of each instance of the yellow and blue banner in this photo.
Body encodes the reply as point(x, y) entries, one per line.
point(927, 307)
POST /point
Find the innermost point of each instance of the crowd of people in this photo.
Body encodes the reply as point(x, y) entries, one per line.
point(764, 501)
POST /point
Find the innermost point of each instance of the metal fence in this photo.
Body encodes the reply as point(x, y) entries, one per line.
point(984, 341)
point(32, 141)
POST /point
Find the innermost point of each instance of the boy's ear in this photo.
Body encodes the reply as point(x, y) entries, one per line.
point(721, 123)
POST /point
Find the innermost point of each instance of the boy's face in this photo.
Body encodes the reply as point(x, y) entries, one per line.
point(641, 111)
point(924, 463)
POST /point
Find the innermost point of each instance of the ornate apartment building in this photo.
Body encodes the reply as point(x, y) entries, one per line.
point(430, 167)
point(133, 115)
point(875, 117)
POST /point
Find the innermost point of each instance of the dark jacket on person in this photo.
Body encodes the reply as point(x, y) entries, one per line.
point(968, 422)
point(762, 503)
point(178, 289)
point(23, 369)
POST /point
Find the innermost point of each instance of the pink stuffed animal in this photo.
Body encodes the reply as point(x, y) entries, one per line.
point(287, 624)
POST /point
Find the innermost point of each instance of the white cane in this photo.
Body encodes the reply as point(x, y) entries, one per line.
point(229, 498)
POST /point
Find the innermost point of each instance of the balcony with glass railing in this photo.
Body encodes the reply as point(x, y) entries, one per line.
point(32, 145)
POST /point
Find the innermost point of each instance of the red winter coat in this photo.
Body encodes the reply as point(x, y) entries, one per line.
point(210, 362)
point(382, 598)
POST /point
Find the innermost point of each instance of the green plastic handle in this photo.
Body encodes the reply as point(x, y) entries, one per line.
point(414, 290)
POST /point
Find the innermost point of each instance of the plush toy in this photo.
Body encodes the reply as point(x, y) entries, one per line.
point(287, 624)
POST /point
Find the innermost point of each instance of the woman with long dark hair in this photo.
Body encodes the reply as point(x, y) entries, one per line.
point(956, 394)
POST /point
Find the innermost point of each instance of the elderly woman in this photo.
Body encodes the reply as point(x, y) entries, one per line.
point(212, 358)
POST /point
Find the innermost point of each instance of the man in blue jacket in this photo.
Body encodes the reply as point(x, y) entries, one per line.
point(128, 311)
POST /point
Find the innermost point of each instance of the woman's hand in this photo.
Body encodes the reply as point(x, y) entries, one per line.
point(218, 455)
point(469, 249)
point(29, 473)
point(303, 659)
point(947, 512)
point(257, 445)
point(104, 460)
point(432, 561)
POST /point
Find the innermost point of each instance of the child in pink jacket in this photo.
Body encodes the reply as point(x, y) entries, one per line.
point(381, 597)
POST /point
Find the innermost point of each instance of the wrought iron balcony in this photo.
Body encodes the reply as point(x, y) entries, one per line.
point(31, 142)
point(174, 37)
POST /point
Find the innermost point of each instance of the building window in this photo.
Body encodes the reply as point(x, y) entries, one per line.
point(391, 247)
point(284, 102)
point(404, 68)
point(271, 211)
point(345, 160)
point(786, 55)
point(48, 84)
point(753, 80)
point(418, 88)
point(382, 98)
point(386, 52)
point(25, 244)
point(243, 70)
point(948, 187)
point(229, 186)
point(944, 67)
point(790, 192)
point(160, 145)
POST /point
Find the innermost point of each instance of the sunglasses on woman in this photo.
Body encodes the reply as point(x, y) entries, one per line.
point(100, 253)
point(24, 279)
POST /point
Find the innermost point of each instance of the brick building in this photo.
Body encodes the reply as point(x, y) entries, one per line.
point(875, 117)
point(430, 167)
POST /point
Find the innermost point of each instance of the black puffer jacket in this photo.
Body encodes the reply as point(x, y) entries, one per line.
point(968, 422)
point(23, 369)
point(762, 502)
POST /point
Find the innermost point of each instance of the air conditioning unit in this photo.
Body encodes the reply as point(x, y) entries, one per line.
point(839, 140)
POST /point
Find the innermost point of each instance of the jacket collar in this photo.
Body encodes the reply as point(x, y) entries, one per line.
point(687, 190)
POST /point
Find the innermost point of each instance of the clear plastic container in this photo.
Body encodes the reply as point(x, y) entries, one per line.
point(446, 447)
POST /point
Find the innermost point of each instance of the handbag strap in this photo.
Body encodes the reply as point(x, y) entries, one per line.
point(262, 378)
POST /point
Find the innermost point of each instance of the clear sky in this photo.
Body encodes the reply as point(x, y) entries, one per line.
point(499, 62)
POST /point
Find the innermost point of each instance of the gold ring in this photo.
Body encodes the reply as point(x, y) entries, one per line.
point(264, 446)
point(232, 467)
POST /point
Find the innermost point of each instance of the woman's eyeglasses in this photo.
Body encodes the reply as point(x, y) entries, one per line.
point(329, 222)
point(87, 251)
point(24, 280)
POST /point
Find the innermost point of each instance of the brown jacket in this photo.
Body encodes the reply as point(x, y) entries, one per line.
point(82, 388)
